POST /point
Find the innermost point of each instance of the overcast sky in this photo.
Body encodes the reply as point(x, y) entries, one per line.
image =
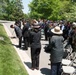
point(25, 5)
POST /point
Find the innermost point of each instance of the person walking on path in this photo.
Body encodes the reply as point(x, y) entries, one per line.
point(56, 43)
point(35, 44)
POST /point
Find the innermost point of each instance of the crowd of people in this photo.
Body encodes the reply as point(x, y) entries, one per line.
point(55, 32)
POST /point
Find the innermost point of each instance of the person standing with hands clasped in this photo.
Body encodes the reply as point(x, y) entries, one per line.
point(56, 43)
point(35, 44)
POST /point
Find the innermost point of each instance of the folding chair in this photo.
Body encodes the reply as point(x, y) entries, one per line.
point(66, 62)
point(74, 59)
point(68, 70)
point(67, 59)
point(68, 65)
point(70, 62)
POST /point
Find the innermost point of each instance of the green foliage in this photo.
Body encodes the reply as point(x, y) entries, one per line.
point(71, 15)
point(10, 63)
point(2, 6)
point(44, 9)
point(12, 9)
point(39, 8)
point(52, 9)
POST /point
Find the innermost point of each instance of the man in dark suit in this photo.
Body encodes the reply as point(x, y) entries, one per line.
point(25, 33)
point(35, 44)
point(18, 32)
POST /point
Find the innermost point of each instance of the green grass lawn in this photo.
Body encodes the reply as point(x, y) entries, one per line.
point(10, 63)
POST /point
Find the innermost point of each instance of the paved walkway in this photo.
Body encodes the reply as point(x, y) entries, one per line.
point(23, 55)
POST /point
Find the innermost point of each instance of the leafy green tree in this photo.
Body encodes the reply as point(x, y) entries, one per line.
point(49, 9)
point(3, 4)
point(11, 9)
point(14, 9)
point(52, 9)
point(55, 13)
point(71, 14)
point(39, 8)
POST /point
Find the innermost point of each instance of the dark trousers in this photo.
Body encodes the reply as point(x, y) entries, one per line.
point(35, 57)
point(46, 36)
point(56, 68)
point(26, 42)
point(20, 41)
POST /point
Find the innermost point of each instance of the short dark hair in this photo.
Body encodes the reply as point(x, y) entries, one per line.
point(11, 26)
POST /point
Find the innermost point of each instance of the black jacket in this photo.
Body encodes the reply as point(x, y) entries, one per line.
point(35, 37)
point(18, 31)
point(25, 31)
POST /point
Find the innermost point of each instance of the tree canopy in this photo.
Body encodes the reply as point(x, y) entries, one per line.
point(53, 9)
point(11, 9)
point(44, 9)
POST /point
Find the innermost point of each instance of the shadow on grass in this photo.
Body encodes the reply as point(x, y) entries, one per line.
point(1, 24)
point(45, 71)
point(4, 42)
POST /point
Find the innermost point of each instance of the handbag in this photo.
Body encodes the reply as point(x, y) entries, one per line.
point(47, 49)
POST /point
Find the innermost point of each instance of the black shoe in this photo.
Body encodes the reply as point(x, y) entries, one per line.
point(32, 68)
point(37, 68)
point(25, 49)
